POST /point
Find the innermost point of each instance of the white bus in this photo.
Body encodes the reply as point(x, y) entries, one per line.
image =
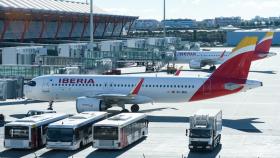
point(119, 131)
point(73, 132)
point(29, 132)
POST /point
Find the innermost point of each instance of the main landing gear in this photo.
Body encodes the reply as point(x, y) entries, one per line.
point(134, 108)
point(212, 68)
point(50, 105)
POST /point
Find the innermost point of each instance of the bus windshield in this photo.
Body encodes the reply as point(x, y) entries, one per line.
point(60, 134)
point(200, 133)
point(16, 132)
point(105, 133)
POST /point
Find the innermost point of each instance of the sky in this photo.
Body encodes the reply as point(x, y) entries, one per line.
point(193, 9)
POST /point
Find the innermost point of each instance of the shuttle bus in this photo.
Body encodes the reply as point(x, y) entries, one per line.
point(29, 132)
point(73, 132)
point(119, 131)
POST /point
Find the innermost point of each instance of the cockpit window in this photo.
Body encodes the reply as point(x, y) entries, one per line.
point(31, 83)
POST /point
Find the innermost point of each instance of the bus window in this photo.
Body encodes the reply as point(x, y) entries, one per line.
point(60, 134)
point(16, 132)
point(105, 133)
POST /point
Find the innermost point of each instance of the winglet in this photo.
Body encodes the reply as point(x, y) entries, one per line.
point(177, 73)
point(137, 88)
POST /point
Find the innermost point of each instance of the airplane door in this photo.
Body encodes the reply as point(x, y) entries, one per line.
point(207, 88)
point(46, 86)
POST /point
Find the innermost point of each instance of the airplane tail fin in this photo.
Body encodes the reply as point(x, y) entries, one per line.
point(177, 73)
point(265, 43)
point(239, 62)
point(231, 76)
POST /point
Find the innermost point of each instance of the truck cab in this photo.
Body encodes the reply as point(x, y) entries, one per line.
point(205, 130)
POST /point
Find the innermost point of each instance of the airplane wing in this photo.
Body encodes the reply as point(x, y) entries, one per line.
point(109, 96)
point(117, 97)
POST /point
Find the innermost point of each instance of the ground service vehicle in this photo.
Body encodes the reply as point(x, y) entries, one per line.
point(29, 132)
point(73, 132)
point(119, 131)
point(205, 129)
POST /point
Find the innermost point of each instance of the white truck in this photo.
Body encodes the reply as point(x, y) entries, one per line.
point(205, 129)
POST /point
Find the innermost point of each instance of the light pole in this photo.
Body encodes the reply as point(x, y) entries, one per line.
point(91, 22)
point(164, 30)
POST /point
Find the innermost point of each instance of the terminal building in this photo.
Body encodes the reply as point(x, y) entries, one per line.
point(31, 20)
point(234, 37)
point(225, 21)
point(180, 23)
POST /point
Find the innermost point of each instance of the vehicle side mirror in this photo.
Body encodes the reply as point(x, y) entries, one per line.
point(187, 132)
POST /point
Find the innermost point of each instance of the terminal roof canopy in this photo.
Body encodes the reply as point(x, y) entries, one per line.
point(35, 9)
point(49, 5)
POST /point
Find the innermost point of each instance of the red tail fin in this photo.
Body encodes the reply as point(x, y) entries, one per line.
point(177, 73)
point(231, 75)
point(265, 43)
point(239, 62)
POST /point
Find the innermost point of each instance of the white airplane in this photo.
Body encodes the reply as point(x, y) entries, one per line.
point(199, 59)
point(107, 91)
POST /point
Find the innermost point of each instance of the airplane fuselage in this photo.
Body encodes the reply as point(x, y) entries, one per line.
point(153, 89)
point(157, 89)
point(187, 56)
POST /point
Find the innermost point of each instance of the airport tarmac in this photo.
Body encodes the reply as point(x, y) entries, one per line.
point(250, 123)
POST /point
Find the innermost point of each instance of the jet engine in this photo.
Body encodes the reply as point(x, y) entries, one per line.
point(196, 64)
point(89, 104)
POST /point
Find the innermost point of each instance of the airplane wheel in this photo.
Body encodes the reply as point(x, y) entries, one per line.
point(134, 108)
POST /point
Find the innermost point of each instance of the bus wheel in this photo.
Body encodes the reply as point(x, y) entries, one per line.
point(135, 108)
point(124, 111)
point(81, 145)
